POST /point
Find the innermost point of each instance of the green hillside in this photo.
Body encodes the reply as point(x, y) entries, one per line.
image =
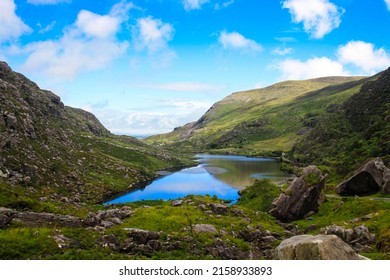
point(262, 121)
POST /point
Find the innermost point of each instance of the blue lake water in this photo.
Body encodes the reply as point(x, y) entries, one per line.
point(216, 175)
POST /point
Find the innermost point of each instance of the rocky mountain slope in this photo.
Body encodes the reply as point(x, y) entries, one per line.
point(265, 120)
point(49, 149)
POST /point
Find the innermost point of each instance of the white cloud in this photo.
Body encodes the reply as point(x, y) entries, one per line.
point(152, 34)
point(11, 26)
point(89, 44)
point(282, 51)
point(293, 69)
point(47, 2)
point(193, 4)
point(219, 6)
point(319, 17)
point(234, 40)
point(364, 56)
point(96, 25)
point(388, 4)
point(47, 28)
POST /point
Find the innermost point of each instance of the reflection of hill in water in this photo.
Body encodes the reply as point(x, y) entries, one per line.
point(239, 173)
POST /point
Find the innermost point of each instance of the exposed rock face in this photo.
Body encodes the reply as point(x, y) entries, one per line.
point(32, 219)
point(108, 218)
point(6, 216)
point(301, 197)
point(368, 179)
point(141, 236)
point(319, 247)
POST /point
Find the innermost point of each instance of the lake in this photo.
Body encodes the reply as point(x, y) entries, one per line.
point(220, 175)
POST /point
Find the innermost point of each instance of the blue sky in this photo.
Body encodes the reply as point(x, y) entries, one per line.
point(144, 67)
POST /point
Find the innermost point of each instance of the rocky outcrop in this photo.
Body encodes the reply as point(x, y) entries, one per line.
point(358, 237)
point(6, 216)
point(204, 228)
point(107, 218)
point(301, 197)
point(368, 179)
point(33, 219)
point(319, 247)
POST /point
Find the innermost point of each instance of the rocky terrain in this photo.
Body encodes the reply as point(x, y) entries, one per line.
point(57, 164)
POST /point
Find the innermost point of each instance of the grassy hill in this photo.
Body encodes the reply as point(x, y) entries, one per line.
point(262, 121)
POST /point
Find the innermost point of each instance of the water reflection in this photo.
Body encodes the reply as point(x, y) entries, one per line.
point(215, 175)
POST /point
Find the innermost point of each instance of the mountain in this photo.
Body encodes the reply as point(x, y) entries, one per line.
point(48, 149)
point(262, 121)
point(352, 132)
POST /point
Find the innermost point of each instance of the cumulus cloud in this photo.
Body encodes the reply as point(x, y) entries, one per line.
point(293, 69)
point(47, 2)
point(353, 58)
point(234, 40)
point(11, 26)
point(364, 56)
point(152, 34)
point(319, 17)
point(193, 4)
point(89, 44)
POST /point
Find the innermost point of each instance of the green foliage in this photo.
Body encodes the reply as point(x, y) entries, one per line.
point(259, 196)
point(312, 179)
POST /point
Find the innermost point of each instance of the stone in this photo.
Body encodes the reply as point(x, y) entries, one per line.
point(6, 216)
point(176, 203)
point(107, 224)
point(218, 208)
point(64, 242)
point(319, 247)
point(357, 235)
point(204, 228)
point(109, 241)
point(33, 219)
point(301, 197)
point(368, 179)
point(141, 236)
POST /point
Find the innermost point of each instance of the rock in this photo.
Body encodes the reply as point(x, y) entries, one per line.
point(218, 208)
point(176, 203)
point(109, 241)
point(319, 247)
point(64, 242)
point(204, 228)
point(141, 236)
point(6, 216)
point(301, 197)
point(368, 179)
point(359, 234)
point(107, 224)
point(33, 219)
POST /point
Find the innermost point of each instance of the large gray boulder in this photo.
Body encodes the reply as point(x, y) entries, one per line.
point(301, 197)
point(319, 247)
point(368, 179)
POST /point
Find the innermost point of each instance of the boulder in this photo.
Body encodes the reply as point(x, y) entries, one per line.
point(109, 241)
point(356, 237)
point(368, 179)
point(218, 208)
point(64, 242)
point(141, 236)
point(319, 247)
point(6, 216)
point(301, 197)
point(204, 228)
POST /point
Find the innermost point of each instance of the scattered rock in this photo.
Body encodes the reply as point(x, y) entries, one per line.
point(356, 237)
point(218, 208)
point(368, 179)
point(64, 242)
point(6, 216)
point(301, 197)
point(109, 241)
point(176, 203)
point(33, 219)
point(319, 247)
point(204, 228)
point(141, 236)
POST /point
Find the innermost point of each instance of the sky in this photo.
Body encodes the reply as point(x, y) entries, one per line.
point(144, 67)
